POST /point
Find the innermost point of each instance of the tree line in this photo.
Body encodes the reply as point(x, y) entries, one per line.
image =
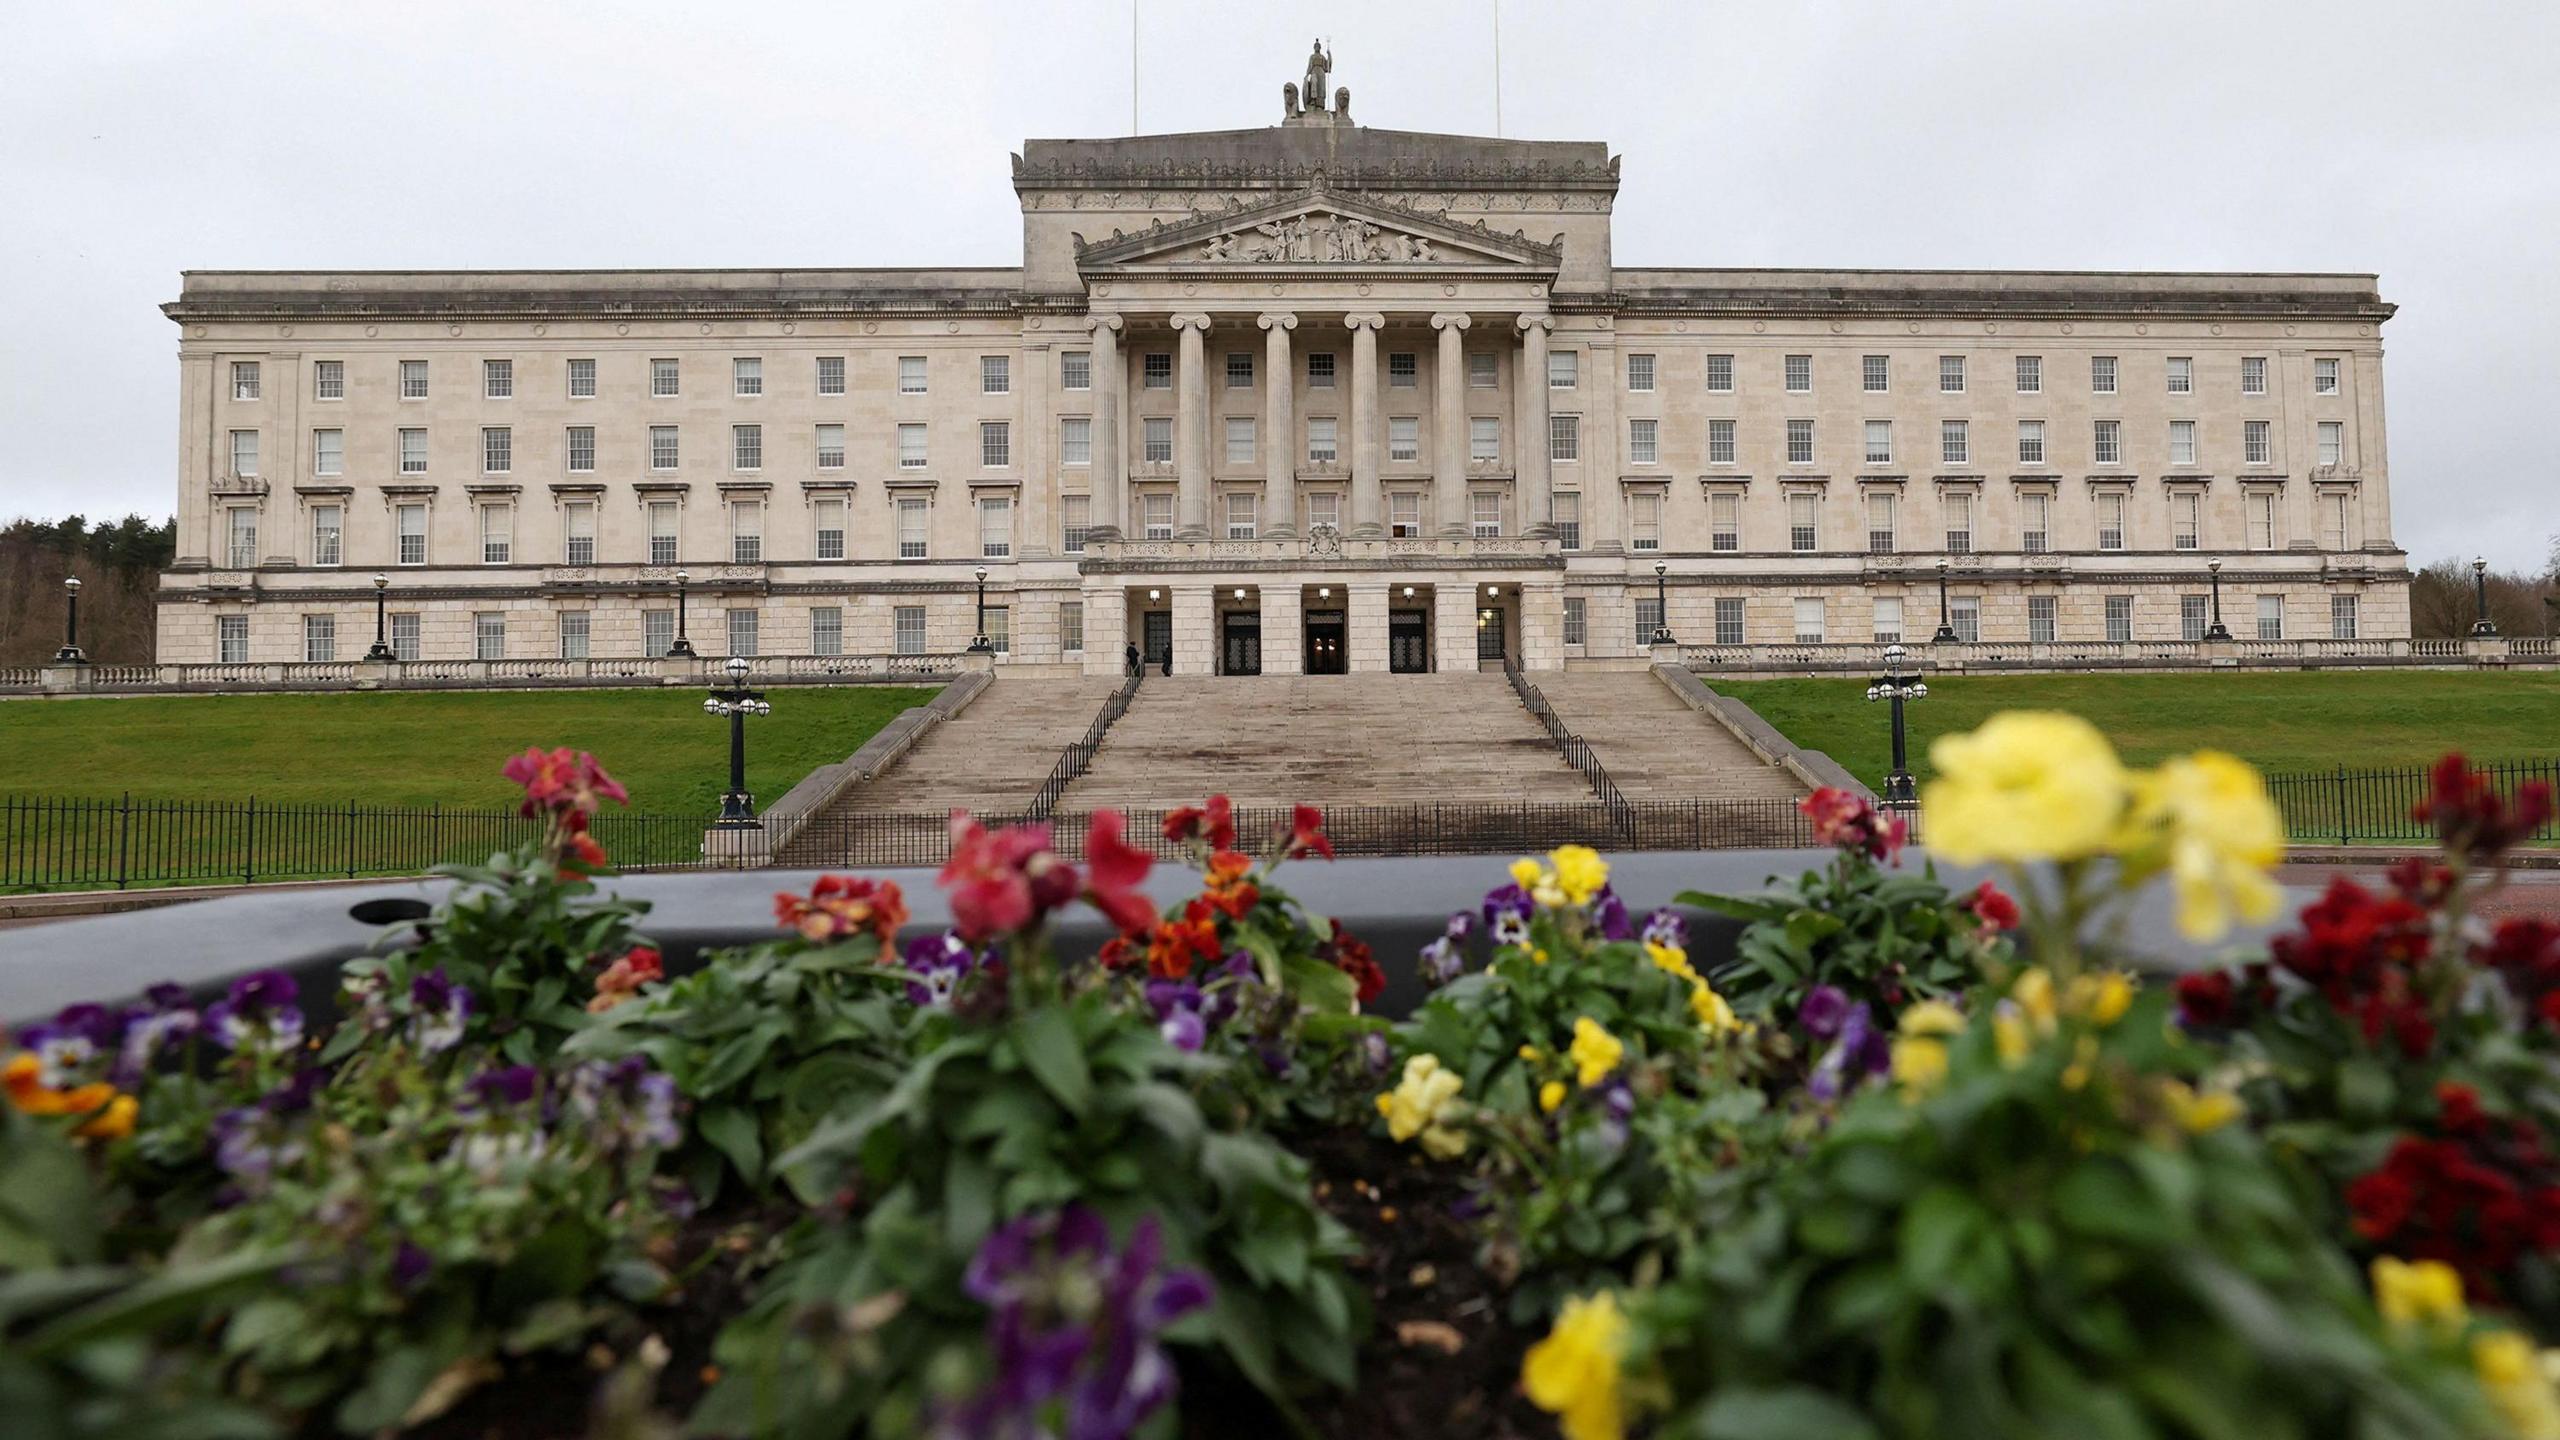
point(2444, 599)
point(117, 565)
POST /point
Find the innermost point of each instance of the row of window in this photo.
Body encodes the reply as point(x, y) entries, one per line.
point(1964, 616)
point(575, 629)
point(666, 377)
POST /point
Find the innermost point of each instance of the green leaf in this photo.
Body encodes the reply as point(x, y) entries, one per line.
point(1794, 1413)
point(733, 1132)
point(1046, 1040)
point(1939, 1227)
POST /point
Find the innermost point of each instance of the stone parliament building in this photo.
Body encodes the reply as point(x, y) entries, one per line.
point(1303, 399)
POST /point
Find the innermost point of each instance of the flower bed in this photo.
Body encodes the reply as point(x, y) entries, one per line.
point(1920, 1162)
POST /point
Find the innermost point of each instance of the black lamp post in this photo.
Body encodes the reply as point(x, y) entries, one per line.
point(683, 646)
point(1661, 606)
point(981, 645)
point(2481, 624)
point(1899, 684)
point(737, 702)
point(381, 620)
point(70, 654)
point(2215, 631)
point(1946, 630)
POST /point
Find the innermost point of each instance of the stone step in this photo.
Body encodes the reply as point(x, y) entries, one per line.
point(1653, 745)
point(993, 756)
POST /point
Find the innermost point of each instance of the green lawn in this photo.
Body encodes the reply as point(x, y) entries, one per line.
point(2309, 721)
point(423, 749)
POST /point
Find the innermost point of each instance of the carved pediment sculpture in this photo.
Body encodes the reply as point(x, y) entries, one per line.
point(1317, 238)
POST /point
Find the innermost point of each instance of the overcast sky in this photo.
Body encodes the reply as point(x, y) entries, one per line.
point(2418, 141)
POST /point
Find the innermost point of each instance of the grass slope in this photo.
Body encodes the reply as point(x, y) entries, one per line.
point(441, 748)
point(2314, 720)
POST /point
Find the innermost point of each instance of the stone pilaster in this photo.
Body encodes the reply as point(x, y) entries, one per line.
point(1195, 630)
point(1110, 473)
point(1191, 430)
point(1453, 625)
point(1367, 621)
point(1106, 630)
point(1542, 623)
point(1284, 630)
point(1449, 438)
point(1279, 434)
point(1368, 502)
point(1529, 409)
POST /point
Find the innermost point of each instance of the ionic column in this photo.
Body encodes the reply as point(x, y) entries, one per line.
point(1449, 445)
point(1279, 427)
point(1368, 503)
point(1529, 403)
point(1109, 475)
point(1191, 429)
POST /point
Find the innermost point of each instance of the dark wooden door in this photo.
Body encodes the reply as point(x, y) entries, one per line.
point(1158, 644)
point(1409, 641)
point(1325, 634)
point(1242, 645)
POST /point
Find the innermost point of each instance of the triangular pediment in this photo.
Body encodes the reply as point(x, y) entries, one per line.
point(1319, 227)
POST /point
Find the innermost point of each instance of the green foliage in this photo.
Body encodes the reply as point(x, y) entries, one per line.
point(1885, 937)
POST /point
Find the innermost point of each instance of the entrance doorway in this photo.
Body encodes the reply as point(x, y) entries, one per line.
point(1408, 641)
point(1156, 643)
point(1489, 634)
point(1326, 631)
point(1240, 644)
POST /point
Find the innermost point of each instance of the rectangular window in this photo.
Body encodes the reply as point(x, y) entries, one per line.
point(1071, 627)
point(1808, 619)
point(830, 447)
point(497, 379)
point(1156, 511)
point(830, 374)
point(1729, 620)
point(742, 632)
point(995, 527)
point(1240, 369)
point(413, 379)
point(1484, 513)
point(1648, 618)
point(1075, 522)
point(746, 376)
point(2102, 374)
point(497, 534)
point(409, 525)
point(746, 532)
point(1404, 513)
point(1958, 505)
point(1577, 621)
point(1875, 373)
point(1403, 371)
point(1564, 368)
point(657, 631)
point(232, 639)
point(2191, 617)
point(1964, 616)
point(1880, 522)
point(328, 535)
point(404, 636)
point(1803, 516)
point(1075, 369)
point(2262, 519)
point(2111, 520)
point(2342, 617)
point(995, 374)
point(2253, 374)
point(2030, 374)
point(1320, 370)
point(1720, 374)
point(578, 533)
point(1244, 514)
point(2270, 617)
point(1481, 374)
point(582, 379)
point(1564, 437)
point(2182, 375)
point(319, 638)
point(911, 374)
point(497, 449)
point(328, 452)
point(2333, 520)
point(664, 377)
point(244, 454)
point(1321, 445)
point(827, 524)
point(242, 531)
point(582, 449)
point(2324, 376)
point(1484, 437)
point(1799, 442)
point(2257, 442)
point(1640, 372)
point(1888, 622)
point(328, 379)
point(2182, 442)
point(1879, 442)
point(2106, 442)
point(2119, 619)
point(2040, 619)
point(662, 532)
point(1643, 442)
point(575, 633)
point(1075, 440)
point(1155, 439)
point(1724, 521)
point(1644, 520)
point(2185, 506)
point(911, 447)
point(1719, 442)
point(244, 379)
point(2035, 522)
point(2333, 441)
point(1799, 374)
point(1404, 437)
point(911, 531)
point(1955, 442)
point(995, 444)
point(1324, 508)
point(489, 635)
point(1950, 374)
point(1240, 445)
point(1566, 511)
point(2030, 442)
point(662, 447)
point(1000, 629)
point(746, 447)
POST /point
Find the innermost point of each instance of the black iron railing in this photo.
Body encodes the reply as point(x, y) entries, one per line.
point(2351, 807)
point(1577, 752)
point(1077, 758)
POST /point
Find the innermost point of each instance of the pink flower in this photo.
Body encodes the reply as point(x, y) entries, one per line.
point(623, 978)
point(1850, 823)
point(563, 782)
point(1119, 868)
point(1001, 881)
point(841, 906)
point(1992, 910)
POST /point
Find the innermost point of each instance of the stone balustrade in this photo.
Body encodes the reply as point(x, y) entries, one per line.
point(1958, 657)
point(598, 673)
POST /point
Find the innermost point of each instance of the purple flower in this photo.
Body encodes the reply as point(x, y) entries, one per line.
point(508, 1085)
point(1442, 961)
point(1183, 1030)
point(1664, 927)
point(1824, 1010)
point(1861, 1051)
point(1610, 914)
point(250, 1142)
point(1462, 924)
point(409, 1267)
point(440, 1011)
point(257, 1015)
point(1617, 1108)
point(940, 963)
point(1506, 912)
point(1376, 1053)
point(1236, 980)
point(628, 1103)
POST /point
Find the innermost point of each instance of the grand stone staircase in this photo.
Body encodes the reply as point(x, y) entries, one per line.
point(1654, 746)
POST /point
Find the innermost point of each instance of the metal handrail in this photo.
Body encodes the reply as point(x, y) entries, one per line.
point(1577, 752)
point(1077, 758)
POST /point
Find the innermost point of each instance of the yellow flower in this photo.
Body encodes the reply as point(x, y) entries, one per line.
point(1573, 1373)
point(2206, 819)
point(2033, 992)
point(1551, 1095)
point(1919, 1064)
point(1531, 1053)
point(1580, 872)
point(1932, 1017)
point(1424, 1105)
point(2009, 1031)
point(2028, 785)
point(1525, 873)
point(2200, 1114)
point(2418, 1293)
point(1671, 958)
point(2076, 1074)
point(2101, 999)
point(1538, 956)
point(1595, 1052)
point(2509, 1371)
point(1714, 1012)
point(113, 1123)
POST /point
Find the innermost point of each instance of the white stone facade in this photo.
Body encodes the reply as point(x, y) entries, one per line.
point(1484, 425)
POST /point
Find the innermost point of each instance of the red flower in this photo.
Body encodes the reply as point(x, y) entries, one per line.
point(841, 906)
point(1230, 889)
point(2421, 880)
point(2362, 951)
point(1995, 910)
point(1115, 870)
point(2470, 816)
point(623, 978)
point(1349, 954)
point(1217, 823)
point(582, 855)
point(2205, 999)
point(563, 782)
point(1176, 945)
point(1849, 823)
point(1002, 880)
point(2458, 1109)
point(1306, 833)
point(2478, 1201)
point(2525, 951)
point(1117, 953)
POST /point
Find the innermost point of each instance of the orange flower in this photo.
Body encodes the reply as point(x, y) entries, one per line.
point(1228, 889)
point(841, 906)
point(22, 1079)
point(582, 856)
point(113, 1123)
point(1176, 945)
point(623, 978)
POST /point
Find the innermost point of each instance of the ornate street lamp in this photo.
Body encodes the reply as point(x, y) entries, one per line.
point(70, 654)
point(737, 702)
point(2481, 624)
point(1946, 630)
point(1899, 684)
point(2215, 630)
point(683, 646)
point(981, 645)
point(1661, 606)
point(381, 622)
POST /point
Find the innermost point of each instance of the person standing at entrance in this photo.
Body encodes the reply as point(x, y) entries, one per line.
point(1135, 664)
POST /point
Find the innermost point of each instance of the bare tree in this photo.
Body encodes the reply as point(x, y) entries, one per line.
point(118, 569)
